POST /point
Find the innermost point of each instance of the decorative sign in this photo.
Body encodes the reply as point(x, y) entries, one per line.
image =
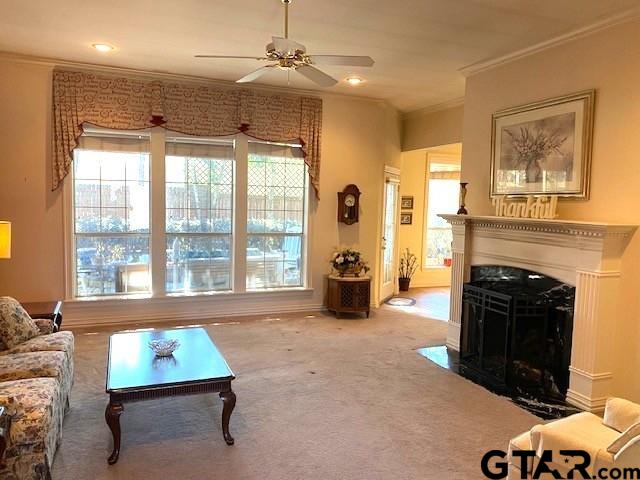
point(535, 207)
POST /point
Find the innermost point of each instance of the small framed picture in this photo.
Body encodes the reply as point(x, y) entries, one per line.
point(406, 203)
point(406, 218)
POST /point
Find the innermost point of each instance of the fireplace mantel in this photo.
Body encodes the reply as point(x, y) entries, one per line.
point(585, 254)
point(558, 227)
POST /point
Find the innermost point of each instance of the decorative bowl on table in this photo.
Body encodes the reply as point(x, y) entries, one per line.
point(164, 348)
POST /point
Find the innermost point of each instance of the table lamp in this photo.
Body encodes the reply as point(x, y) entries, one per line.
point(5, 239)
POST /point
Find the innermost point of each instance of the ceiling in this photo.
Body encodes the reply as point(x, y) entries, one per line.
point(418, 45)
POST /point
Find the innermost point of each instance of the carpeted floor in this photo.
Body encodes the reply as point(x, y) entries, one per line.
point(318, 398)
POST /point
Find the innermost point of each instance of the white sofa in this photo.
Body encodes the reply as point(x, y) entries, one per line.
point(612, 442)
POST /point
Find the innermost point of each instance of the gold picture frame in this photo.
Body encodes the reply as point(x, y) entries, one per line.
point(543, 148)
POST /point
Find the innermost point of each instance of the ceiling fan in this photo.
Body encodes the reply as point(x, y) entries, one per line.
point(289, 55)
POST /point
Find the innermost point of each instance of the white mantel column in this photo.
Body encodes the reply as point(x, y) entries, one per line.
point(596, 318)
point(460, 272)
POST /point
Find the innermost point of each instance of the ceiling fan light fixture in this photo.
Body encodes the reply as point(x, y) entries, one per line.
point(354, 80)
point(103, 47)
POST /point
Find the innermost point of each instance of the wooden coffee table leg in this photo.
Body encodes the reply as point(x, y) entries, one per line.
point(229, 403)
point(112, 416)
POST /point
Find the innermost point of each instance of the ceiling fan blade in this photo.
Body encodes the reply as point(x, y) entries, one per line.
point(230, 56)
point(286, 45)
point(347, 60)
point(316, 76)
point(255, 74)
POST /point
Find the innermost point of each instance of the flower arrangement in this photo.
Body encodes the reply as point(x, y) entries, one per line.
point(533, 146)
point(348, 261)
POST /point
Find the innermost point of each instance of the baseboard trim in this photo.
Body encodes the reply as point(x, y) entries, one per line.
point(127, 318)
point(594, 405)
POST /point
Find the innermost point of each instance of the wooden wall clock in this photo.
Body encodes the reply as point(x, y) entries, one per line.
point(349, 204)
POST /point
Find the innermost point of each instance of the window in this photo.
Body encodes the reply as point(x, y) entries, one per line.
point(442, 197)
point(111, 215)
point(200, 224)
point(199, 215)
point(275, 216)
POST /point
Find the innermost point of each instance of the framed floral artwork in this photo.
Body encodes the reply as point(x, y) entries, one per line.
point(544, 147)
point(406, 218)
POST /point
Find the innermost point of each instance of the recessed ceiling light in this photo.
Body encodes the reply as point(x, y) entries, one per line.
point(354, 81)
point(103, 47)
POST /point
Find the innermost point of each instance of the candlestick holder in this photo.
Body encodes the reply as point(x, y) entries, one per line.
point(463, 194)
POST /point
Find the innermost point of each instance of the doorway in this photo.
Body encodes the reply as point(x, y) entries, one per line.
point(389, 243)
point(430, 179)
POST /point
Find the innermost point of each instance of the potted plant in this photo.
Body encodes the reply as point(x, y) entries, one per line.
point(347, 261)
point(408, 266)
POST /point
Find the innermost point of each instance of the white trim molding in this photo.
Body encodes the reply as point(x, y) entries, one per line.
point(146, 309)
point(433, 108)
point(567, 37)
point(585, 254)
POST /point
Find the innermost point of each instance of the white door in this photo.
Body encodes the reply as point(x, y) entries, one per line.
point(388, 272)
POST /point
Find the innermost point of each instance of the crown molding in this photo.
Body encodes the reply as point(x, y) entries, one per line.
point(108, 69)
point(454, 102)
point(570, 36)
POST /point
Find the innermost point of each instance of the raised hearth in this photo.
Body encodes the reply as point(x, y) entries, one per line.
point(586, 255)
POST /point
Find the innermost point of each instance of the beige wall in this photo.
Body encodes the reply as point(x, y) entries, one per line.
point(413, 182)
point(35, 270)
point(432, 129)
point(359, 137)
point(608, 61)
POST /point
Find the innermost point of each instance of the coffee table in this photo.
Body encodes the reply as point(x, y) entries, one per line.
point(134, 373)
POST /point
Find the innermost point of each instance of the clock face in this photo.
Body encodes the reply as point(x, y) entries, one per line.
point(350, 200)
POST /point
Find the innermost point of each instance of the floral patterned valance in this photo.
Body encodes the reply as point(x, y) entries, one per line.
point(128, 103)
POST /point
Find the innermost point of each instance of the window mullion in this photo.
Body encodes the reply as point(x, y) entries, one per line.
point(240, 213)
point(158, 215)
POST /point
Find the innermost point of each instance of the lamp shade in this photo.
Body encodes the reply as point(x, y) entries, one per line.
point(5, 239)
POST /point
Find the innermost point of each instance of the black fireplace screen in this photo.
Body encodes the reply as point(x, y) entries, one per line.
point(516, 330)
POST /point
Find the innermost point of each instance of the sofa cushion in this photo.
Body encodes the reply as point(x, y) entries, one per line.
point(620, 414)
point(20, 366)
point(16, 326)
point(624, 438)
point(44, 325)
point(36, 424)
point(59, 341)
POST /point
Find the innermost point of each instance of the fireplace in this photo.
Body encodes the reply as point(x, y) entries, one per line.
point(516, 331)
point(587, 255)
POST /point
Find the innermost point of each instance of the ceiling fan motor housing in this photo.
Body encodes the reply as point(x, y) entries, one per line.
point(287, 54)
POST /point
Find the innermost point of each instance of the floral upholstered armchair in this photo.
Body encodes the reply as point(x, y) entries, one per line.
point(36, 376)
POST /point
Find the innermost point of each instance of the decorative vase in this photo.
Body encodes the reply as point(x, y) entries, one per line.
point(350, 270)
point(403, 284)
point(463, 194)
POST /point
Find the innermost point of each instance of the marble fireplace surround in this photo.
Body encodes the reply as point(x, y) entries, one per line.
point(586, 255)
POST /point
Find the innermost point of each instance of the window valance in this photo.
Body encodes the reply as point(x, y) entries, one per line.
point(128, 103)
